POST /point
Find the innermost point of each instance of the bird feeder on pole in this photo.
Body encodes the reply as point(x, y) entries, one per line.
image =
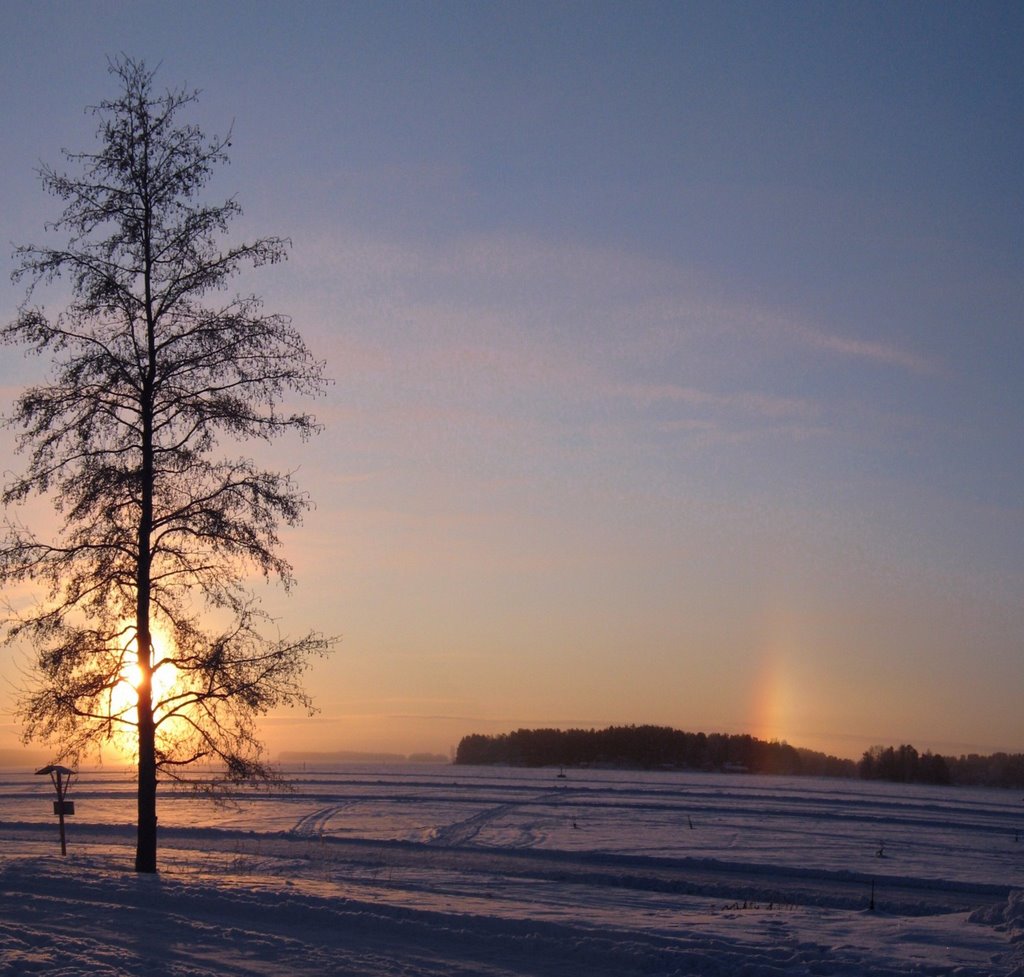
point(61, 777)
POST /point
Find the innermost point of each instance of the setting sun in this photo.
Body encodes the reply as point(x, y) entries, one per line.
point(163, 680)
point(124, 695)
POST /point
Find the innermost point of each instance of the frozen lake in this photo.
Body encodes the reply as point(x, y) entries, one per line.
point(665, 872)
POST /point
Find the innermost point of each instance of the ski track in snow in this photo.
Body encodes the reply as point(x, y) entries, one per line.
point(463, 873)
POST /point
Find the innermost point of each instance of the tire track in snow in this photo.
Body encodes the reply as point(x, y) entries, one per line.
point(463, 832)
point(313, 824)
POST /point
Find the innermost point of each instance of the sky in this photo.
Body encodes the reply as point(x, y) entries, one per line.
point(677, 350)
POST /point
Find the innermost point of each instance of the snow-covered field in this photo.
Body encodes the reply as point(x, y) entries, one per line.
point(456, 871)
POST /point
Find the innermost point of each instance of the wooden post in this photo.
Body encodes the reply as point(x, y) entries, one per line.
point(61, 807)
point(55, 775)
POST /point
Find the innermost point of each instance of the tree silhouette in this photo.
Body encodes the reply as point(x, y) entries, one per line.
point(154, 367)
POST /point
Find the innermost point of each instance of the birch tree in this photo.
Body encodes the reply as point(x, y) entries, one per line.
point(145, 622)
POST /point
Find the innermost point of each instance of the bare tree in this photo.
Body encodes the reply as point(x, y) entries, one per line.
point(154, 368)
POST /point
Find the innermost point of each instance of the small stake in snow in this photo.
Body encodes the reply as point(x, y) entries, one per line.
point(61, 777)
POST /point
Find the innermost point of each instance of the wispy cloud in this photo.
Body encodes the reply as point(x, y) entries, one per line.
point(876, 351)
point(487, 289)
point(504, 346)
point(759, 404)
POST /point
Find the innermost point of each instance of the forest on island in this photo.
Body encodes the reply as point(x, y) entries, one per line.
point(649, 748)
point(664, 748)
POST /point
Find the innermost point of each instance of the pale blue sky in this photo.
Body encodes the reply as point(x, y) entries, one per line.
point(677, 347)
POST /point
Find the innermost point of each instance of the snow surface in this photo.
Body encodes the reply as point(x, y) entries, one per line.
point(458, 871)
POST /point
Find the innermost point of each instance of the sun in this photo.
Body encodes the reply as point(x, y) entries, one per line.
point(124, 696)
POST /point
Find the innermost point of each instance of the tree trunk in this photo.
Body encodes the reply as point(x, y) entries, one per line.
point(145, 851)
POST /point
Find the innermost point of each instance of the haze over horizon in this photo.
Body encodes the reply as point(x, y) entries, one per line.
point(677, 351)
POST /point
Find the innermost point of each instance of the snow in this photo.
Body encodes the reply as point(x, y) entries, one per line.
point(457, 871)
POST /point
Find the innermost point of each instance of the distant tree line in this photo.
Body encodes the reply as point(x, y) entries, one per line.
point(904, 764)
point(664, 748)
point(649, 748)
